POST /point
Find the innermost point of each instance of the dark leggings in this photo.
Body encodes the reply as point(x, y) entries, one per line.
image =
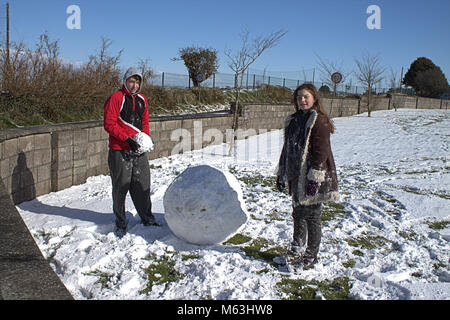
point(307, 225)
point(130, 174)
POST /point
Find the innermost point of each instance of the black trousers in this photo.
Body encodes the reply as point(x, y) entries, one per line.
point(308, 228)
point(130, 173)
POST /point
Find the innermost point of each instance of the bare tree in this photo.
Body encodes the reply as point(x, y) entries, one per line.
point(392, 83)
point(250, 50)
point(393, 80)
point(369, 74)
point(146, 71)
point(240, 61)
point(327, 68)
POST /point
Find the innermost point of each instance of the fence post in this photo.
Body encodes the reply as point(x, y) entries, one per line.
point(268, 83)
point(162, 80)
point(417, 102)
point(246, 82)
point(214, 80)
point(284, 82)
point(254, 81)
point(189, 85)
point(440, 107)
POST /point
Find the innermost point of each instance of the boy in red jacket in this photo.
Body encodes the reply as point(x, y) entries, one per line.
point(125, 115)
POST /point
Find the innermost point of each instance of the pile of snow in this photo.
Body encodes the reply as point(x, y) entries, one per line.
point(204, 205)
point(144, 141)
point(389, 236)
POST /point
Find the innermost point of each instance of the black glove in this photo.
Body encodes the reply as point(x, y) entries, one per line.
point(134, 146)
point(280, 185)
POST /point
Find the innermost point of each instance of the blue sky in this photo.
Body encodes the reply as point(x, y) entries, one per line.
point(335, 30)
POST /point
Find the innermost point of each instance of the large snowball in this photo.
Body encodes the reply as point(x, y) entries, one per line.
point(204, 205)
point(144, 141)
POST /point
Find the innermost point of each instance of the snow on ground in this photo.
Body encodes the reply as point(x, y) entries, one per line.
point(388, 238)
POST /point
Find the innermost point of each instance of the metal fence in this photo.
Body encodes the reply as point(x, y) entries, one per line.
point(251, 81)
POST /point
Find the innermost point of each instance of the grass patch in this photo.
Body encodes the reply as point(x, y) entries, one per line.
point(259, 180)
point(255, 250)
point(368, 241)
point(46, 236)
point(332, 210)
point(237, 239)
point(276, 215)
point(300, 289)
point(254, 179)
point(103, 277)
point(350, 263)
point(420, 192)
point(264, 93)
point(185, 257)
point(160, 271)
point(408, 235)
point(438, 225)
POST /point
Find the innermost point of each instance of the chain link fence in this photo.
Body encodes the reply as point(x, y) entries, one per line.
point(254, 81)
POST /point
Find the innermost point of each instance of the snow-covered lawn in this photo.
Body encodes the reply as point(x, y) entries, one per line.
point(388, 238)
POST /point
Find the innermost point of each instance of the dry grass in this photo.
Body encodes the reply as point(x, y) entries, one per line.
point(38, 87)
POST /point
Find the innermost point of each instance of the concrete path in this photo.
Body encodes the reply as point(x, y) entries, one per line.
point(24, 272)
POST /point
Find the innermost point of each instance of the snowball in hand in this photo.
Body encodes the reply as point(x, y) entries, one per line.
point(144, 141)
point(204, 205)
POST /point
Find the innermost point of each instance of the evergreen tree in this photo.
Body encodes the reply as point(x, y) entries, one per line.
point(199, 61)
point(425, 77)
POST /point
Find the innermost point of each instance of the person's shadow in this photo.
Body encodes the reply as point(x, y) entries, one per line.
point(22, 181)
point(104, 222)
point(23, 193)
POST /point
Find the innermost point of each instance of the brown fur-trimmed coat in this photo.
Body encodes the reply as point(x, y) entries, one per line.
point(316, 162)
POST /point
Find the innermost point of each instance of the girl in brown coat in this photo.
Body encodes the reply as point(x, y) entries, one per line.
point(307, 165)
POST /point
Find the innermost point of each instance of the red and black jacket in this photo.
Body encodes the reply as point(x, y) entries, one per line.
point(124, 116)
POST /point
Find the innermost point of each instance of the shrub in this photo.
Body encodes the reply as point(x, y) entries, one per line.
point(39, 88)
